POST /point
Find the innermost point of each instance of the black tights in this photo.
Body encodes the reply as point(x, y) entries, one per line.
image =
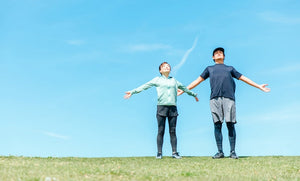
point(219, 137)
point(161, 120)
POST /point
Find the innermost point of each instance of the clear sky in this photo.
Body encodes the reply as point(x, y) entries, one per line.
point(65, 66)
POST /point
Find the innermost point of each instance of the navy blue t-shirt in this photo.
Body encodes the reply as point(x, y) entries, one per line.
point(221, 80)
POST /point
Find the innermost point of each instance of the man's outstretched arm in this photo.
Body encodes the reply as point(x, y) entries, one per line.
point(250, 82)
point(192, 85)
point(195, 83)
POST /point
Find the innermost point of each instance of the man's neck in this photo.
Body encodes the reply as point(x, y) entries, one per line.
point(219, 61)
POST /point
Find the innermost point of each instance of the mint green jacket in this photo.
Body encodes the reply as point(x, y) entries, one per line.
point(166, 90)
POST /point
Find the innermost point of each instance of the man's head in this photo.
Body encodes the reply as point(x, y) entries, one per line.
point(164, 67)
point(219, 54)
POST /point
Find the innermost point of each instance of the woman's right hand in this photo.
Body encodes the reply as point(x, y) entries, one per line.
point(127, 95)
point(179, 92)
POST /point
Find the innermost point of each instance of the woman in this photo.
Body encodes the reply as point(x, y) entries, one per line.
point(166, 87)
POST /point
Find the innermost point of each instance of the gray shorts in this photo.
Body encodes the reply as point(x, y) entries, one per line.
point(222, 107)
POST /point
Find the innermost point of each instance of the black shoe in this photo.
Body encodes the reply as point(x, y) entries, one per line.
point(218, 155)
point(176, 155)
point(233, 155)
point(159, 156)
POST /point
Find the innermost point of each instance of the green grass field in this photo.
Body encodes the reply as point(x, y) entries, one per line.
point(148, 168)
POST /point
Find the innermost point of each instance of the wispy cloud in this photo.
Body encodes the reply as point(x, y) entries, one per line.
point(76, 42)
point(185, 56)
point(147, 47)
point(55, 135)
point(279, 18)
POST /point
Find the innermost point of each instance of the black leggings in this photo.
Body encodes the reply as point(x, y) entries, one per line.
point(161, 120)
point(219, 137)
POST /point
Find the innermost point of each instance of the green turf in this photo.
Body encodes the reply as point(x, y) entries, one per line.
point(148, 168)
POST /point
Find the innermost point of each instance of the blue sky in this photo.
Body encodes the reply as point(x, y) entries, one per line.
point(65, 66)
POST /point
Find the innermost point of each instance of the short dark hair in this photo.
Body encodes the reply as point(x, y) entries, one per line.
point(217, 49)
point(162, 65)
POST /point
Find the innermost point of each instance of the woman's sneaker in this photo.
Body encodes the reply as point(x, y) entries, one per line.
point(233, 155)
point(218, 155)
point(176, 155)
point(159, 156)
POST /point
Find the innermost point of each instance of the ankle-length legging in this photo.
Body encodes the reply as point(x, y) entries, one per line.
point(219, 137)
point(161, 121)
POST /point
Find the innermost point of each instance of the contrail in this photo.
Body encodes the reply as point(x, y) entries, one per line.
point(56, 135)
point(187, 53)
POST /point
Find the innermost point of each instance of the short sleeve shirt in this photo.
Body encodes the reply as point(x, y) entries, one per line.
point(221, 80)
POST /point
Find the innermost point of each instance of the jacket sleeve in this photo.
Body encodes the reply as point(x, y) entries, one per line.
point(145, 86)
point(185, 89)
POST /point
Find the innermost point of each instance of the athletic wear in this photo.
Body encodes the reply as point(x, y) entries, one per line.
point(233, 155)
point(218, 155)
point(222, 107)
point(176, 155)
point(161, 121)
point(167, 111)
point(166, 107)
point(159, 156)
point(164, 112)
point(231, 136)
point(166, 90)
point(222, 101)
point(221, 80)
point(219, 137)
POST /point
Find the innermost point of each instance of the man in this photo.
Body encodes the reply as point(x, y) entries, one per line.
point(222, 98)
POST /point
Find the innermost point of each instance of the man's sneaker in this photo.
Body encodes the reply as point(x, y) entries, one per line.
point(159, 156)
point(176, 155)
point(233, 155)
point(218, 155)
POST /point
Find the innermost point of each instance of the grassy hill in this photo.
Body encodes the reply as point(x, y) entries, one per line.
point(148, 168)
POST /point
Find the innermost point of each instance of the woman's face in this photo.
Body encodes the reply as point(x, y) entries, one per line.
point(165, 68)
